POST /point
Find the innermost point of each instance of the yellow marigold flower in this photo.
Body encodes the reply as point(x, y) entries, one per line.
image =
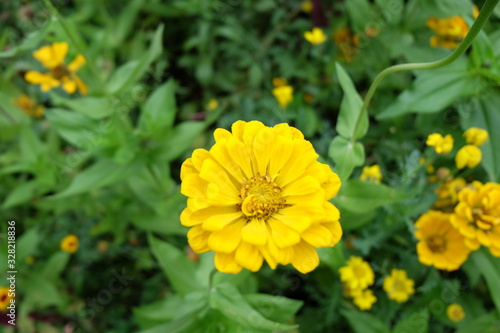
point(450, 32)
point(440, 244)
point(468, 156)
point(448, 192)
point(279, 82)
point(442, 145)
point(357, 273)
point(212, 104)
point(315, 37)
point(69, 244)
point(371, 173)
point(52, 58)
point(398, 286)
point(476, 136)
point(29, 106)
point(306, 6)
point(284, 95)
point(347, 43)
point(260, 194)
point(364, 300)
point(4, 298)
point(477, 216)
point(455, 312)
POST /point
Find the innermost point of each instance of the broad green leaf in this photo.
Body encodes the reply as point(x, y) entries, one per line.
point(177, 268)
point(77, 129)
point(276, 308)
point(360, 13)
point(363, 196)
point(125, 22)
point(21, 193)
point(490, 269)
point(188, 323)
point(27, 243)
point(484, 324)
point(227, 299)
point(30, 42)
point(54, 266)
point(333, 257)
point(92, 107)
point(181, 139)
point(350, 108)
point(41, 292)
point(204, 70)
point(416, 322)
point(364, 322)
point(158, 312)
point(29, 144)
point(158, 113)
point(354, 220)
point(447, 8)
point(346, 155)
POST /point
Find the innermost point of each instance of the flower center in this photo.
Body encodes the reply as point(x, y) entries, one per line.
point(4, 297)
point(261, 197)
point(359, 272)
point(436, 244)
point(59, 72)
point(399, 286)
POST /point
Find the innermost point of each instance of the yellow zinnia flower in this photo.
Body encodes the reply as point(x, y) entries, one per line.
point(398, 286)
point(260, 194)
point(450, 31)
point(212, 104)
point(347, 43)
point(284, 95)
point(442, 145)
point(364, 300)
point(52, 58)
point(315, 37)
point(468, 156)
point(357, 273)
point(476, 136)
point(371, 173)
point(29, 106)
point(69, 244)
point(440, 244)
point(455, 312)
point(477, 216)
point(4, 298)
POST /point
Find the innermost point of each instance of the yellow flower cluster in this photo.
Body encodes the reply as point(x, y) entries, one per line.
point(69, 244)
point(442, 145)
point(450, 32)
point(398, 286)
point(371, 173)
point(455, 312)
point(4, 298)
point(29, 106)
point(316, 36)
point(356, 277)
point(347, 43)
point(283, 94)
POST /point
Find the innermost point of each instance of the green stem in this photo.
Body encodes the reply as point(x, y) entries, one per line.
point(485, 13)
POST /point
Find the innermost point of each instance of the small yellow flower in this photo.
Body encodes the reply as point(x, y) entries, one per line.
point(357, 273)
point(455, 312)
point(347, 291)
point(4, 298)
point(29, 106)
point(279, 82)
point(398, 286)
point(428, 165)
point(371, 173)
point(450, 32)
point(69, 244)
point(52, 58)
point(442, 145)
point(440, 244)
point(364, 300)
point(284, 95)
point(212, 104)
point(306, 6)
point(315, 37)
point(448, 192)
point(476, 136)
point(347, 43)
point(468, 156)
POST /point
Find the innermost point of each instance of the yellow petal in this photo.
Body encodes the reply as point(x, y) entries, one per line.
point(293, 218)
point(220, 221)
point(82, 87)
point(193, 186)
point(68, 85)
point(317, 235)
point(283, 235)
point(52, 55)
point(38, 78)
point(198, 238)
point(227, 239)
point(264, 139)
point(226, 263)
point(249, 256)
point(303, 186)
point(75, 65)
point(336, 231)
point(306, 258)
point(255, 232)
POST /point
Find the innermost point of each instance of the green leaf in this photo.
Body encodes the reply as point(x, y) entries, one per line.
point(227, 299)
point(275, 308)
point(29, 144)
point(363, 196)
point(364, 322)
point(353, 220)
point(176, 266)
point(22, 193)
point(92, 107)
point(77, 129)
point(27, 243)
point(484, 324)
point(417, 322)
point(360, 13)
point(55, 265)
point(346, 156)
point(30, 42)
point(490, 269)
point(204, 70)
point(181, 139)
point(350, 108)
point(158, 312)
point(40, 292)
point(158, 113)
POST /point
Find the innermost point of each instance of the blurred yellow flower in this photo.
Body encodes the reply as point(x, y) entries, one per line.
point(4, 298)
point(315, 37)
point(284, 95)
point(69, 244)
point(442, 145)
point(364, 300)
point(455, 312)
point(440, 244)
point(52, 58)
point(475, 11)
point(29, 106)
point(260, 194)
point(371, 173)
point(212, 104)
point(448, 192)
point(477, 216)
point(398, 286)
point(450, 32)
point(306, 6)
point(357, 274)
point(476, 136)
point(428, 165)
point(279, 82)
point(468, 156)
point(347, 43)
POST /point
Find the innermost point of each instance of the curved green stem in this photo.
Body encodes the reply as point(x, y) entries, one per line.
point(485, 13)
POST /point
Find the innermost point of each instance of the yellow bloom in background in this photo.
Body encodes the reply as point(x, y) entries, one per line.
point(440, 244)
point(212, 104)
point(477, 216)
point(450, 32)
point(260, 194)
point(279, 82)
point(347, 291)
point(448, 192)
point(357, 273)
point(475, 11)
point(442, 145)
point(52, 58)
point(428, 165)
point(398, 286)
point(4, 298)
point(284, 95)
point(371, 173)
point(306, 6)
point(315, 37)
point(476, 136)
point(69, 244)
point(364, 300)
point(347, 43)
point(455, 312)
point(468, 156)
point(29, 106)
